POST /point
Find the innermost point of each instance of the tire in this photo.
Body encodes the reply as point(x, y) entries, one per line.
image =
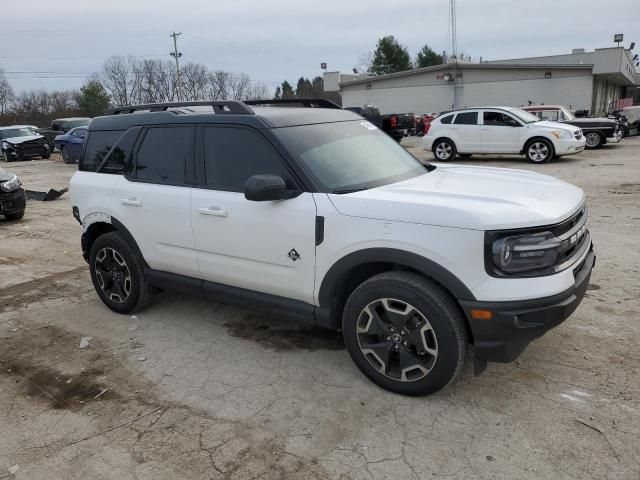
point(444, 150)
point(111, 256)
point(465, 155)
point(422, 355)
point(14, 216)
point(539, 150)
point(593, 140)
point(45, 156)
point(66, 156)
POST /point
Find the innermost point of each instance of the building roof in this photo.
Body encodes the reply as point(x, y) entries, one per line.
point(463, 66)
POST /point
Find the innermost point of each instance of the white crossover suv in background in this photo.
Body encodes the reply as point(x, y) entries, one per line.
point(316, 214)
point(500, 130)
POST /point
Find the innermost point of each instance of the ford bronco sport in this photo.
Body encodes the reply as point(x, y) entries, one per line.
point(315, 213)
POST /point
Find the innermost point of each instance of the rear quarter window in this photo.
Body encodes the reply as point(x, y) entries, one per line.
point(98, 145)
point(446, 120)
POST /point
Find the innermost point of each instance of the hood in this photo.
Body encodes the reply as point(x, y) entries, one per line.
point(555, 125)
point(19, 140)
point(458, 196)
point(4, 175)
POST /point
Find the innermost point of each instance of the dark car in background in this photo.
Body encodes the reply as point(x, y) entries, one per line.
point(12, 198)
point(70, 144)
point(597, 130)
point(20, 143)
point(396, 125)
point(62, 125)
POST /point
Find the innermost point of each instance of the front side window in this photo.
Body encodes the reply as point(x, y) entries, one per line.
point(79, 132)
point(499, 119)
point(566, 114)
point(232, 155)
point(162, 157)
point(466, 118)
point(550, 115)
point(348, 156)
point(98, 144)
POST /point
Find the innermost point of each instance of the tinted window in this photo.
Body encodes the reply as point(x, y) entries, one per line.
point(499, 119)
point(98, 144)
point(447, 120)
point(466, 118)
point(162, 157)
point(118, 159)
point(232, 155)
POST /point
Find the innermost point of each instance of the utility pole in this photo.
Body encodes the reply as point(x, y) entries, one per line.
point(176, 54)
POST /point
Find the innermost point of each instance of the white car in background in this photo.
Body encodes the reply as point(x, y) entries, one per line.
point(503, 130)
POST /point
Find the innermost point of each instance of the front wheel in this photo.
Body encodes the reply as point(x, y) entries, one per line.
point(14, 216)
point(539, 151)
point(404, 333)
point(117, 273)
point(66, 156)
point(593, 140)
point(444, 150)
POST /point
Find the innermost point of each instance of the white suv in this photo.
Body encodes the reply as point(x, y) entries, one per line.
point(316, 214)
point(502, 130)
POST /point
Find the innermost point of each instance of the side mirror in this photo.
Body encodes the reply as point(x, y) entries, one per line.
point(264, 188)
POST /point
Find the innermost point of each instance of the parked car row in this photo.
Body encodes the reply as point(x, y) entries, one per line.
point(540, 133)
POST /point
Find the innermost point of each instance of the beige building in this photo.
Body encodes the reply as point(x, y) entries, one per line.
point(594, 81)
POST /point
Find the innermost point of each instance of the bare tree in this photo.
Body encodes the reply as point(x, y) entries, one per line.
point(7, 96)
point(239, 87)
point(195, 81)
point(119, 80)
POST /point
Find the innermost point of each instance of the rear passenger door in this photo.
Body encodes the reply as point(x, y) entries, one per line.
point(501, 132)
point(268, 246)
point(467, 134)
point(152, 200)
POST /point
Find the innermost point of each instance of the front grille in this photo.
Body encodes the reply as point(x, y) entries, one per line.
point(575, 239)
point(31, 148)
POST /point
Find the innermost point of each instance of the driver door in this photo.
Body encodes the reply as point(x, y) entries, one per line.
point(265, 246)
point(501, 132)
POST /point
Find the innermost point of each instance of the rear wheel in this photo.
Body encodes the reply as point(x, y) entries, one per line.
point(444, 150)
point(539, 150)
point(593, 140)
point(404, 333)
point(117, 272)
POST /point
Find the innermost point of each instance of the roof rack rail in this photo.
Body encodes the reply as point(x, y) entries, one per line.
point(219, 106)
point(305, 102)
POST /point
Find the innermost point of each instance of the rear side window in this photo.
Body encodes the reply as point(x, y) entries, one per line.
point(447, 120)
point(232, 155)
point(466, 118)
point(99, 143)
point(118, 160)
point(162, 157)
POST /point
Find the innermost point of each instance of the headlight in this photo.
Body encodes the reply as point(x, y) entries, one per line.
point(11, 184)
point(4, 146)
point(522, 253)
point(561, 133)
point(46, 145)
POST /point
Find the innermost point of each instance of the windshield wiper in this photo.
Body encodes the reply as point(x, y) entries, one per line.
point(349, 190)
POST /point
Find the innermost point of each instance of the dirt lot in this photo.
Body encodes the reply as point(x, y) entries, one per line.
point(191, 389)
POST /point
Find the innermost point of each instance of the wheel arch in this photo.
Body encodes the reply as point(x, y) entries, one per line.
point(538, 137)
point(443, 137)
point(99, 227)
point(353, 269)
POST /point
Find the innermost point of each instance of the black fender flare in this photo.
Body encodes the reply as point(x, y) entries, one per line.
point(337, 273)
point(116, 225)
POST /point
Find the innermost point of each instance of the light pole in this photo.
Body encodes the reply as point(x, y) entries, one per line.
point(176, 54)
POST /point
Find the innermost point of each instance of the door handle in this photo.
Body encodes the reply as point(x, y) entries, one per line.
point(213, 211)
point(133, 201)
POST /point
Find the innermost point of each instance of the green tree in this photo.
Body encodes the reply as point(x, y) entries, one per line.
point(287, 90)
point(94, 99)
point(389, 56)
point(426, 57)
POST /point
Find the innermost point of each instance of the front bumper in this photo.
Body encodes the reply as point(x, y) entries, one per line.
point(515, 324)
point(12, 202)
point(569, 146)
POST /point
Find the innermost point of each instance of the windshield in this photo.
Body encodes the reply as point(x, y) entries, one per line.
point(349, 156)
point(567, 114)
point(76, 123)
point(523, 115)
point(16, 132)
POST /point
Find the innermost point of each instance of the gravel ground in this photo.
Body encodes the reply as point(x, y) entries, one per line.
point(191, 389)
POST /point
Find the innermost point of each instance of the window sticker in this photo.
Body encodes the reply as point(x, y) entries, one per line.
point(368, 125)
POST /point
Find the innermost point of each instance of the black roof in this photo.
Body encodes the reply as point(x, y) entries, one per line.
point(228, 112)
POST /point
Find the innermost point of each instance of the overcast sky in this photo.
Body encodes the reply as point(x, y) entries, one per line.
point(56, 44)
